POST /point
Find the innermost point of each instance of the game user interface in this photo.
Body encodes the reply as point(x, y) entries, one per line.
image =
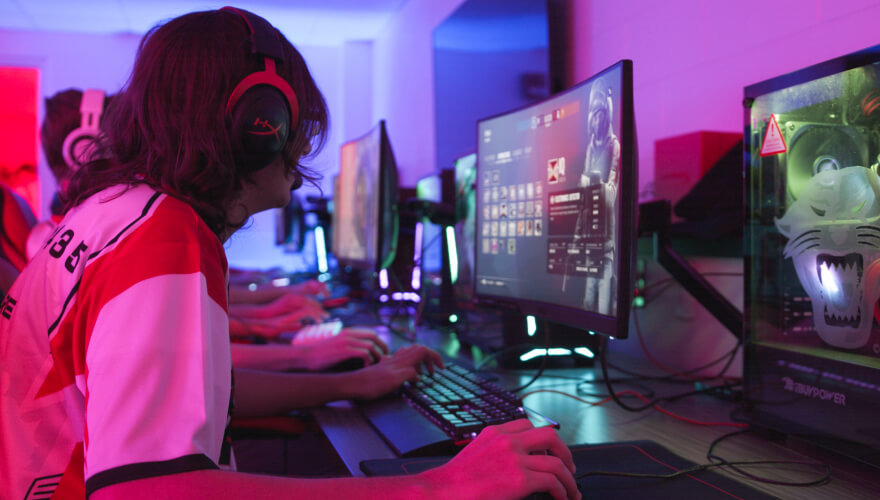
point(555, 204)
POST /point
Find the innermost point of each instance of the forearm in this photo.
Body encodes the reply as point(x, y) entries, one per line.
point(263, 393)
point(246, 310)
point(271, 357)
point(214, 484)
point(260, 295)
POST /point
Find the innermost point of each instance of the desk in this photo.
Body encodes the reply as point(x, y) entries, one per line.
point(355, 440)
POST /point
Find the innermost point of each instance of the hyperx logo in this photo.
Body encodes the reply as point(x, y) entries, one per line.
point(269, 129)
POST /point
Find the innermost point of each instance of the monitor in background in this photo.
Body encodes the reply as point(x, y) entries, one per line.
point(465, 210)
point(433, 273)
point(812, 359)
point(290, 225)
point(365, 217)
point(556, 207)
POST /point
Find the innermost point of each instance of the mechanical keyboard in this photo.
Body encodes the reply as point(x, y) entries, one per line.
point(461, 403)
point(316, 332)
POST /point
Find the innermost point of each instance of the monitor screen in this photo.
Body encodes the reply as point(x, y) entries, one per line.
point(812, 253)
point(556, 204)
point(365, 217)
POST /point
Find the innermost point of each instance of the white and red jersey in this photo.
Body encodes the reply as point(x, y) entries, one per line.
point(114, 349)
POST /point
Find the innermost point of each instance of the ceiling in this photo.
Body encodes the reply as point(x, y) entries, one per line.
point(303, 22)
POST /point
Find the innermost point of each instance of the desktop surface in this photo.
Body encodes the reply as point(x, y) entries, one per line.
point(356, 441)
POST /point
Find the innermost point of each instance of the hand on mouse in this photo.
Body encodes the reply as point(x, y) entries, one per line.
point(406, 364)
point(507, 462)
point(362, 343)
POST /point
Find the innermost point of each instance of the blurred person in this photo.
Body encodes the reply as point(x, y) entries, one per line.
point(16, 221)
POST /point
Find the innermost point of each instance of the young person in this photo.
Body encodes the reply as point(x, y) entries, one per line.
point(70, 124)
point(116, 366)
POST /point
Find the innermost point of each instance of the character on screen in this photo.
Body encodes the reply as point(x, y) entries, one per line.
point(833, 231)
point(601, 167)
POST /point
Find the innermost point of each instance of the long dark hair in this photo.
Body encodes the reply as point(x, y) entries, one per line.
point(167, 128)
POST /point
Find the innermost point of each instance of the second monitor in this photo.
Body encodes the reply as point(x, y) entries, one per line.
point(556, 201)
point(365, 218)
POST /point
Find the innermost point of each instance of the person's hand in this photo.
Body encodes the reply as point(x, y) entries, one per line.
point(349, 343)
point(291, 301)
point(407, 364)
point(508, 461)
point(274, 326)
point(312, 287)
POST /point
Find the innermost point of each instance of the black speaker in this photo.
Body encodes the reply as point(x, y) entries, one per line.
point(262, 107)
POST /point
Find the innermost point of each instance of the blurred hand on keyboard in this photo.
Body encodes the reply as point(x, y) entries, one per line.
point(406, 364)
point(348, 343)
point(507, 461)
point(312, 287)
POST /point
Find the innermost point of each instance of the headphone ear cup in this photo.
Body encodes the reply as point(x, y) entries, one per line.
point(78, 147)
point(260, 126)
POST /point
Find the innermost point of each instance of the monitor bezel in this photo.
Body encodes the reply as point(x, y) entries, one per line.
point(616, 326)
point(387, 216)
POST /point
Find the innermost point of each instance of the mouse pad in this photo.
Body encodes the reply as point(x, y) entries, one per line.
point(643, 457)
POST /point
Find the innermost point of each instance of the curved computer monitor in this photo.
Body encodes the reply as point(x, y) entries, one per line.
point(365, 217)
point(556, 198)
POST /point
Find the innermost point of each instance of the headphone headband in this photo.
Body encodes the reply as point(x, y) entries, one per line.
point(262, 110)
point(264, 42)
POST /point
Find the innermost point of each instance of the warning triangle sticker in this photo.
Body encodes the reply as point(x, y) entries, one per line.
point(773, 143)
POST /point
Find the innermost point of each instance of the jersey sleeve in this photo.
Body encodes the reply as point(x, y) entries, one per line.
point(158, 370)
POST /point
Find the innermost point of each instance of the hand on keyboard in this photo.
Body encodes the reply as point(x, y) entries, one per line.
point(462, 403)
point(331, 344)
point(312, 287)
point(501, 463)
point(407, 364)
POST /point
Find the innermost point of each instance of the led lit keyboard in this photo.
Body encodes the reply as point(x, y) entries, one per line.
point(461, 402)
point(317, 331)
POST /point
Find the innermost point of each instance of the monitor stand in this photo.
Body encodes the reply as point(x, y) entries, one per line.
point(534, 343)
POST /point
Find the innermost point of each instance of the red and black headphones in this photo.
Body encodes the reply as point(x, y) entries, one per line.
point(263, 107)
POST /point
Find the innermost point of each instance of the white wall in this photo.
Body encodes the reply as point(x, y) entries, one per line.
point(692, 58)
point(404, 85)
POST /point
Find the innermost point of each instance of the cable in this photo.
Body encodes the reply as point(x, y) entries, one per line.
point(648, 403)
point(731, 354)
point(673, 378)
point(666, 283)
point(673, 475)
point(636, 394)
point(734, 466)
